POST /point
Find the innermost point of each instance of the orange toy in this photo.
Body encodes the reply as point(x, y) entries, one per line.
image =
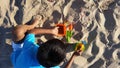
point(80, 46)
point(70, 26)
point(62, 29)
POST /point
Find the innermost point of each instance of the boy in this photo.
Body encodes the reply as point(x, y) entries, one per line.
point(28, 54)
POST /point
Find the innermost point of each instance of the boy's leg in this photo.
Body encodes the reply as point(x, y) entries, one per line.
point(20, 31)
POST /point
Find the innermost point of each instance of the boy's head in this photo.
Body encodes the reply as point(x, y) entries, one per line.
point(51, 53)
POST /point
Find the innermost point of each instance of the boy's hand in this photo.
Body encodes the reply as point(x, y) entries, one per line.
point(55, 31)
point(77, 53)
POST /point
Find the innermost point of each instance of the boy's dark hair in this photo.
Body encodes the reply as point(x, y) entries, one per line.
point(51, 53)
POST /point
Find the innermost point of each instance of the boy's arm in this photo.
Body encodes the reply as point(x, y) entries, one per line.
point(75, 54)
point(70, 62)
point(38, 31)
point(30, 38)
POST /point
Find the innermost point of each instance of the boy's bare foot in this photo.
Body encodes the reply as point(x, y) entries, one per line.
point(36, 21)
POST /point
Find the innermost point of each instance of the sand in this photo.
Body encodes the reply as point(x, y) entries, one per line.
point(95, 21)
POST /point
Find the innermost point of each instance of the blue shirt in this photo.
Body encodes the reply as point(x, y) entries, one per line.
point(26, 56)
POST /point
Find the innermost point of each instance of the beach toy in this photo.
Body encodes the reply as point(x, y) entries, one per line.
point(61, 29)
point(65, 29)
point(69, 32)
point(81, 46)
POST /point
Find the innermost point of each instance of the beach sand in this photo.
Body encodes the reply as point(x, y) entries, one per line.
point(95, 21)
